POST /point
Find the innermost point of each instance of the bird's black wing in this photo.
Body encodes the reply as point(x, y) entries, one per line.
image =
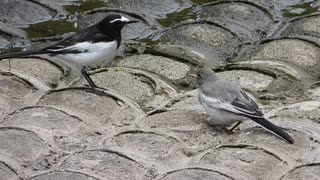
point(91, 34)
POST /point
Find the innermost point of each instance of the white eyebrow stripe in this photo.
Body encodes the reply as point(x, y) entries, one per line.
point(122, 19)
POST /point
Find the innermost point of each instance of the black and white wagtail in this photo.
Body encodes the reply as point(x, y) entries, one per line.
point(88, 48)
point(227, 104)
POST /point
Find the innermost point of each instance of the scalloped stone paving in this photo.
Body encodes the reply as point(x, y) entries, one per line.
point(212, 41)
point(39, 68)
point(63, 175)
point(294, 51)
point(146, 123)
point(153, 8)
point(247, 19)
point(6, 172)
point(157, 64)
point(305, 25)
point(108, 164)
point(24, 12)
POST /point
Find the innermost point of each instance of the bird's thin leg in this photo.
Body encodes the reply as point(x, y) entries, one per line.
point(10, 46)
point(87, 77)
point(9, 64)
point(235, 126)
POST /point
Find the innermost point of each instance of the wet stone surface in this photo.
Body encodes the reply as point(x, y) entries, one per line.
point(152, 8)
point(145, 122)
point(215, 43)
point(23, 12)
point(303, 26)
point(251, 17)
point(297, 52)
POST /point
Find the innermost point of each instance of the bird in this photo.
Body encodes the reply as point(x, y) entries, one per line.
point(227, 104)
point(87, 48)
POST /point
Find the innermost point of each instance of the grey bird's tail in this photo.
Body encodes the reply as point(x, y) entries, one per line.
point(21, 54)
point(273, 128)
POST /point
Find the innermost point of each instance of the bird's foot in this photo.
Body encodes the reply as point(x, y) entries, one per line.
point(234, 127)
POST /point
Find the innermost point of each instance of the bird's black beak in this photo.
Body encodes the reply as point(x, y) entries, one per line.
point(130, 22)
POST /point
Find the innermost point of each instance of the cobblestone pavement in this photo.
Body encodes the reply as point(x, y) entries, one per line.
point(149, 123)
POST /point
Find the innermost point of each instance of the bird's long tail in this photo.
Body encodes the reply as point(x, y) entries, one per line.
point(274, 129)
point(21, 54)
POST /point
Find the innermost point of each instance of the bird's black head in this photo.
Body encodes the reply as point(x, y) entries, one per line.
point(113, 23)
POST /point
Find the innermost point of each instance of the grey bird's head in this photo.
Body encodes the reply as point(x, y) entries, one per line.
point(206, 74)
point(113, 23)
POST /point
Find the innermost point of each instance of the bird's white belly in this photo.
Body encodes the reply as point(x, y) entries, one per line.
point(93, 54)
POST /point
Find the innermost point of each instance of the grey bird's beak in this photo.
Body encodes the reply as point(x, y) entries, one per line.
point(130, 22)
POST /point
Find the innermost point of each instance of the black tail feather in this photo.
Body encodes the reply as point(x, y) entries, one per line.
point(274, 129)
point(21, 54)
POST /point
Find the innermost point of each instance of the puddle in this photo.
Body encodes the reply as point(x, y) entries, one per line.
point(84, 5)
point(176, 17)
point(301, 9)
point(52, 28)
point(202, 1)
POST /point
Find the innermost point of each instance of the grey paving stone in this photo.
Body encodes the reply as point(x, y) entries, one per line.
point(215, 43)
point(304, 26)
point(6, 106)
point(108, 164)
point(247, 19)
point(19, 91)
point(7, 173)
point(147, 89)
point(309, 171)
point(152, 8)
point(136, 87)
point(22, 12)
point(195, 173)
point(47, 72)
point(62, 175)
point(297, 52)
point(85, 102)
point(155, 149)
point(157, 64)
point(41, 117)
point(175, 119)
point(248, 80)
point(152, 144)
point(248, 160)
point(23, 145)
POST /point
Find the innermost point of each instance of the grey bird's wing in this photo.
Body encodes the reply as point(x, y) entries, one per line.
point(224, 96)
point(246, 105)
